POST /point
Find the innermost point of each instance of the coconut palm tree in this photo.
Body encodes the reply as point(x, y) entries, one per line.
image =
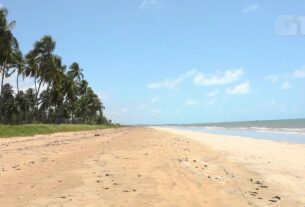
point(45, 104)
point(67, 97)
point(21, 105)
point(8, 107)
point(30, 105)
point(8, 45)
point(20, 68)
point(41, 61)
point(83, 86)
point(31, 67)
point(75, 72)
point(71, 91)
point(43, 65)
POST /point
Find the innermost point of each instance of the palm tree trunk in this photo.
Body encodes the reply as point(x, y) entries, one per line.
point(1, 70)
point(39, 86)
point(37, 92)
point(36, 99)
point(35, 82)
point(2, 80)
point(17, 83)
point(1, 92)
point(72, 117)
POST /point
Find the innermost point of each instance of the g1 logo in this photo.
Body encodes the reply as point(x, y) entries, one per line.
point(290, 25)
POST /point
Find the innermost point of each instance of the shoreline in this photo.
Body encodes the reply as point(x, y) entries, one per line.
point(294, 136)
point(138, 167)
point(279, 163)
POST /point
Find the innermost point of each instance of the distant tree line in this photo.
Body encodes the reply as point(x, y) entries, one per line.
point(60, 94)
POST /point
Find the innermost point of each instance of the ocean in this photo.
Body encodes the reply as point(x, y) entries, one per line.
point(292, 130)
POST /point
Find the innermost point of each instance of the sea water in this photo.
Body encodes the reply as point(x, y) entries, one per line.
point(292, 131)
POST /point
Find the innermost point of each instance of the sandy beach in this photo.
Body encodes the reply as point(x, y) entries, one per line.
point(150, 167)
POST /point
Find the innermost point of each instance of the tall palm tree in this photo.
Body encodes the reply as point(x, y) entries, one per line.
point(70, 89)
point(83, 86)
point(20, 68)
point(42, 64)
point(9, 107)
point(44, 57)
point(30, 105)
point(75, 72)
point(45, 103)
point(54, 76)
point(21, 105)
point(31, 67)
point(8, 45)
point(67, 97)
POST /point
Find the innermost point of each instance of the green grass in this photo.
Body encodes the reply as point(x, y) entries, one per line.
point(7, 131)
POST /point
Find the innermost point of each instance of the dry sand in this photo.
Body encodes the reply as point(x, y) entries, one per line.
point(281, 165)
point(149, 167)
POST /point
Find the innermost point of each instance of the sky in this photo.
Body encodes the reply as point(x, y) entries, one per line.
point(169, 61)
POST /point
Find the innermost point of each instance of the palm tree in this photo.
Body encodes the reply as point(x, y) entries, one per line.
point(67, 97)
point(31, 67)
point(45, 104)
point(83, 86)
point(75, 72)
point(41, 62)
point(20, 68)
point(43, 65)
point(8, 45)
point(54, 76)
point(70, 89)
point(21, 105)
point(9, 107)
point(30, 105)
point(82, 108)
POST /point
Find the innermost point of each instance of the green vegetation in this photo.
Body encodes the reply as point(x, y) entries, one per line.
point(30, 130)
point(60, 94)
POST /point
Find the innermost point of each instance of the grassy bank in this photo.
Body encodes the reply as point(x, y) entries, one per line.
point(35, 129)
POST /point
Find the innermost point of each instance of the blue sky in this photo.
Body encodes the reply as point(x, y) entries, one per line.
point(169, 61)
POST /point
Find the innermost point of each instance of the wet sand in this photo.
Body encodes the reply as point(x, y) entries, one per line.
point(136, 167)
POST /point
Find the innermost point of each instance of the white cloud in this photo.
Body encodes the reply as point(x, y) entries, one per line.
point(273, 105)
point(167, 83)
point(299, 73)
point(103, 95)
point(200, 79)
point(191, 103)
point(142, 106)
point(151, 3)
point(286, 85)
point(155, 112)
point(24, 84)
point(117, 111)
point(250, 8)
point(212, 93)
point(212, 101)
point(219, 110)
point(240, 89)
point(1, 6)
point(190, 73)
point(227, 77)
point(272, 78)
point(155, 99)
point(172, 83)
point(124, 110)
